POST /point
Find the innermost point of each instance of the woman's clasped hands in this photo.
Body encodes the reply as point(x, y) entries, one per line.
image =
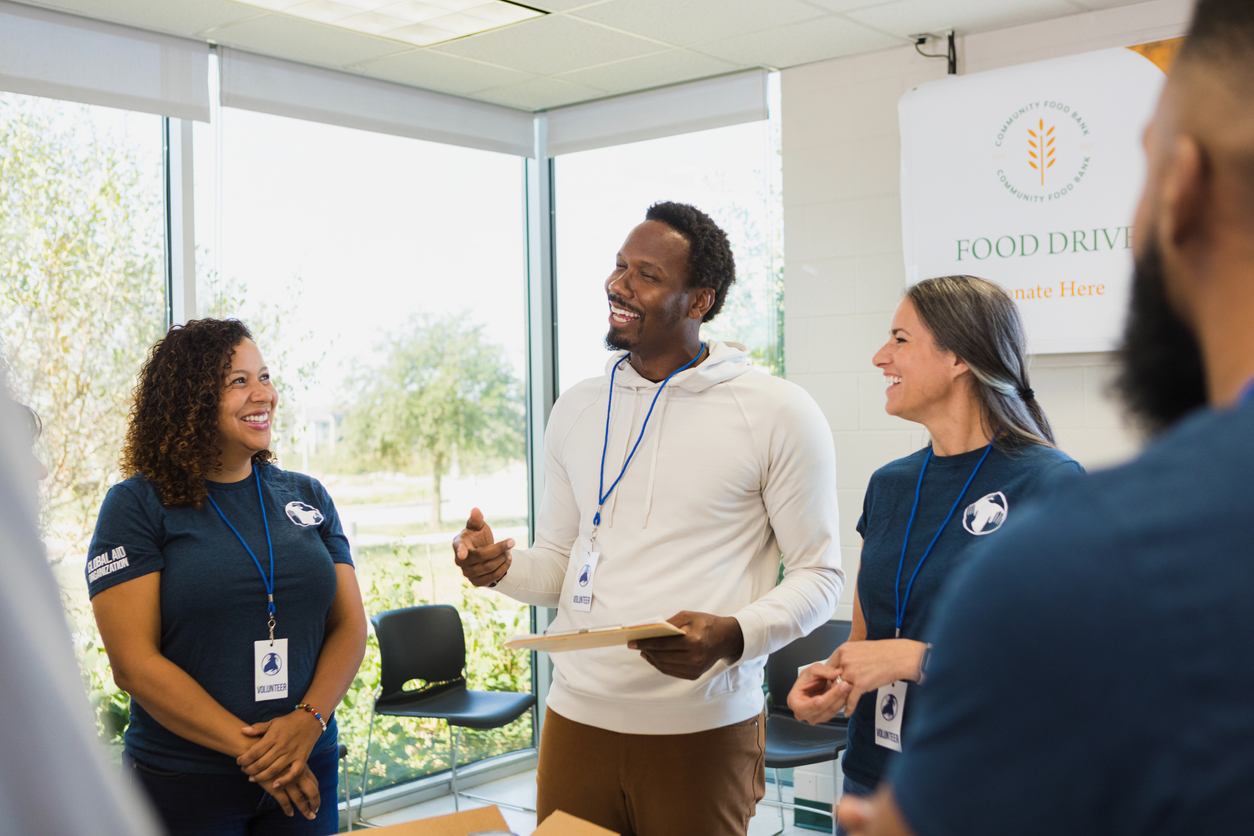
point(825, 689)
point(279, 761)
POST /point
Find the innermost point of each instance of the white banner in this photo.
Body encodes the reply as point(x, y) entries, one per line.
point(1029, 176)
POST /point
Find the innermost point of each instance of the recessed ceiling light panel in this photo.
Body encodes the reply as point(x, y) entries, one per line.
point(416, 22)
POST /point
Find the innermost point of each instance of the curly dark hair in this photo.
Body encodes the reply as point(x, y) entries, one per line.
point(710, 260)
point(172, 435)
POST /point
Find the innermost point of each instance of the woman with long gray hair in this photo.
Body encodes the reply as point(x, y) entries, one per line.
point(955, 362)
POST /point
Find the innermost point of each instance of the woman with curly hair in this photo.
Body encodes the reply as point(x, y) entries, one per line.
point(226, 598)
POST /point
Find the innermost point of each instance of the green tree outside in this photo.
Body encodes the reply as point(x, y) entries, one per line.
point(81, 295)
point(753, 312)
point(443, 394)
point(81, 301)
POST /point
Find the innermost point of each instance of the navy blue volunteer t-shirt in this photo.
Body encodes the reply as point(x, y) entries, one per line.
point(213, 599)
point(1093, 669)
point(996, 495)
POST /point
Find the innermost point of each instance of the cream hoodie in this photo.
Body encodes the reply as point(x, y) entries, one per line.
point(735, 467)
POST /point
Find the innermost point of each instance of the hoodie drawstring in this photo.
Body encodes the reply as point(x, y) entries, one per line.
point(657, 445)
point(603, 494)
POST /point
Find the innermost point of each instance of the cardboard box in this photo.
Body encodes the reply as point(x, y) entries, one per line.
point(564, 824)
point(455, 824)
point(490, 818)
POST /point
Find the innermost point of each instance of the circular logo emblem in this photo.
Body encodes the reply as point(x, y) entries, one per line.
point(1043, 149)
point(302, 514)
point(986, 514)
point(272, 664)
point(583, 575)
point(888, 706)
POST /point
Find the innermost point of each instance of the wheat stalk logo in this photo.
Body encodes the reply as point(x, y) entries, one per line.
point(1042, 152)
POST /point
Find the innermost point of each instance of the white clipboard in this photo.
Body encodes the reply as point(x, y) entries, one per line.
point(590, 637)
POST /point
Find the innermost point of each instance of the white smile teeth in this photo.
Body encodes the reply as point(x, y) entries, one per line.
point(623, 314)
point(257, 419)
point(892, 379)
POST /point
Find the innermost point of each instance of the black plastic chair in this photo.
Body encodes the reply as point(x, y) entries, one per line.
point(427, 643)
point(791, 742)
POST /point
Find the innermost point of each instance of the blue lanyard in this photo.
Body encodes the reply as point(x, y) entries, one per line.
point(270, 581)
point(603, 494)
point(918, 489)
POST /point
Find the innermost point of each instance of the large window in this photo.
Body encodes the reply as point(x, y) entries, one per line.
point(732, 174)
point(81, 301)
point(384, 279)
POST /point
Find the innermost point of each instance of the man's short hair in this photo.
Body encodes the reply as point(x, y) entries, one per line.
point(1222, 33)
point(710, 260)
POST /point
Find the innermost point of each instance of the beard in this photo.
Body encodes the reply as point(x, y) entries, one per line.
point(619, 342)
point(1161, 377)
point(668, 319)
point(614, 342)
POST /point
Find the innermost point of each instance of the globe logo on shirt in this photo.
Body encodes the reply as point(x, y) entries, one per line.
point(986, 514)
point(888, 706)
point(583, 575)
point(271, 664)
point(302, 514)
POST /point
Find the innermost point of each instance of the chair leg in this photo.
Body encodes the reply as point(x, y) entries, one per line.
point(779, 796)
point(457, 740)
point(457, 794)
point(365, 770)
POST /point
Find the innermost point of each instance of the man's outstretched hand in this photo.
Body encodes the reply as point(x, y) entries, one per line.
point(707, 638)
point(481, 560)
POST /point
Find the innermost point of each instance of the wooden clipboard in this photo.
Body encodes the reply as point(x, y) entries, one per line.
point(590, 637)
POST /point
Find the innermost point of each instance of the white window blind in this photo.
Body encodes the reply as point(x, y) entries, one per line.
point(697, 106)
point(60, 56)
point(284, 88)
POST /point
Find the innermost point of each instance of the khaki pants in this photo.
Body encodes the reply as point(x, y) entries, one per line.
point(701, 784)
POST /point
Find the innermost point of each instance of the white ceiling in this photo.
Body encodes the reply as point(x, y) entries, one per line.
point(588, 49)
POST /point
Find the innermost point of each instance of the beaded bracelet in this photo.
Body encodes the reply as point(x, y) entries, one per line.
point(317, 716)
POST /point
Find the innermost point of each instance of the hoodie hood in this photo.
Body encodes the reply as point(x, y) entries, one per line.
point(726, 361)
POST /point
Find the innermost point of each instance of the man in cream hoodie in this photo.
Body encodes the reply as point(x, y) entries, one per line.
point(673, 483)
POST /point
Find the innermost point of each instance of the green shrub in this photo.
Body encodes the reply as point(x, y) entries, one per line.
point(405, 750)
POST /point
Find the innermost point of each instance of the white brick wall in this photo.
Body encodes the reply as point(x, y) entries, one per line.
point(842, 235)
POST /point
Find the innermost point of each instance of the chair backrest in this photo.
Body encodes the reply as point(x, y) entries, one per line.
point(782, 665)
point(419, 643)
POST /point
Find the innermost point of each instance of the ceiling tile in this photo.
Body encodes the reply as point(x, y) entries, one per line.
point(846, 5)
point(697, 21)
point(650, 71)
point(187, 18)
point(436, 71)
point(549, 45)
point(323, 11)
point(800, 43)
point(281, 36)
point(906, 17)
point(539, 93)
point(563, 5)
